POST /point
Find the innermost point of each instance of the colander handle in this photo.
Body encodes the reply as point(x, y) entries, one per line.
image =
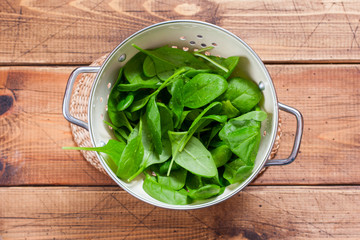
point(297, 141)
point(68, 91)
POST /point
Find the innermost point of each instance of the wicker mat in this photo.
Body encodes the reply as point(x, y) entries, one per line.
point(79, 109)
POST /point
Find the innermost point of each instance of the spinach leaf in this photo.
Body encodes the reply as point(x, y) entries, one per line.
point(237, 171)
point(242, 135)
point(113, 149)
point(195, 157)
point(244, 142)
point(214, 180)
point(193, 114)
point(202, 188)
point(167, 60)
point(191, 72)
point(229, 110)
point(175, 181)
point(153, 157)
point(117, 118)
point(164, 193)
point(163, 68)
point(149, 67)
point(176, 103)
point(193, 181)
point(213, 133)
point(256, 115)
point(132, 155)
point(137, 105)
point(202, 120)
point(133, 70)
point(183, 117)
point(204, 192)
point(211, 61)
point(166, 117)
point(132, 116)
point(150, 156)
point(243, 94)
point(221, 155)
point(154, 124)
point(229, 63)
point(202, 89)
point(152, 84)
point(125, 102)
point(163, 169)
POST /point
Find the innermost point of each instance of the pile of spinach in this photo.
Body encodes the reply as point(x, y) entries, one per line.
point(181, 119)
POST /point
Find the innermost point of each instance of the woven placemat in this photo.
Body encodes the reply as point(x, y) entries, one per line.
point(79, 109)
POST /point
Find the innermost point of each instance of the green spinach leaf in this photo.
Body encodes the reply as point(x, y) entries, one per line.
point(221, 155)
point(133, 70)
point(166, 117)
point(195, 157)
point(113, 149)
point(176, 103)
point(150, 156)
point(243, 94)
point(229, 110)
point(237, 171)
point(212, 62)
point(132, 155)
point(149, 67)
point(154, 124)
point(152, 84)
point(164, 168)
point(202, 89)
point(137, 105)
point(167, 60)
point(175, 181)
point(204, 118)
point(204, 192)
point(229, 63)
point(242, 135)
point(117, 118)
point(125, 102)
point(164, 193)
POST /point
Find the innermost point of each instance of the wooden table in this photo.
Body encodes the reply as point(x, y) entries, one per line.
point(312, 51)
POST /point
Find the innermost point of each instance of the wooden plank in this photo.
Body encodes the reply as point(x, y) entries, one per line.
point(33, 130)
point(328, 98)
point(78, 32)
point(107, 213)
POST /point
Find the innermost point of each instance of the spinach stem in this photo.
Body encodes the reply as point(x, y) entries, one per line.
point(172, 162)
point(212, 62)
point(136, 174)
point(147, 52)
point(166, 83)
point(175, 155)
point(204, 49)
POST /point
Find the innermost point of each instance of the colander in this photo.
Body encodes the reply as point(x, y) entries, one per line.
point(188, 35)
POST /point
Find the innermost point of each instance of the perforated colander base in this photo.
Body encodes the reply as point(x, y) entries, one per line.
point(79, 109)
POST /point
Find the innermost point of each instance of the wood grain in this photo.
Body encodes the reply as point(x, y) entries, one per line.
point(78, 32)
point(33, 130)
point(106, 213)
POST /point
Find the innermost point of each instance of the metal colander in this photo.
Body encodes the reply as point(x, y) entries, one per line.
point(187, 35)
